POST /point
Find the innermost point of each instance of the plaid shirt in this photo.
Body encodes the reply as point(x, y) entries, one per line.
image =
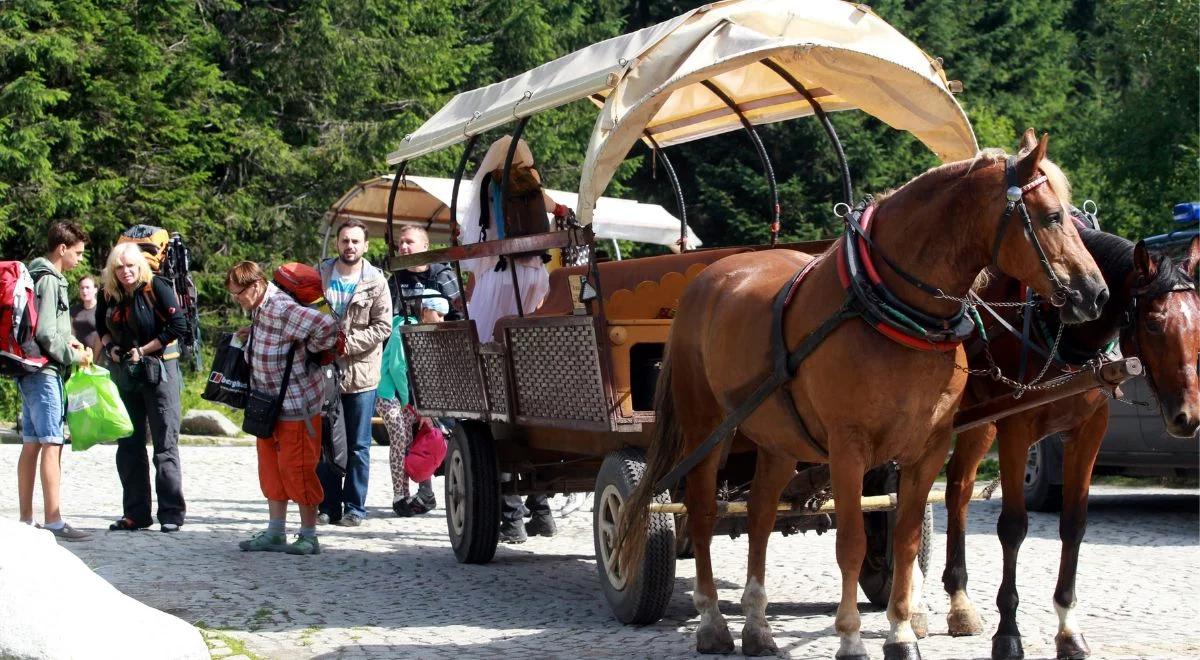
point(279, 322)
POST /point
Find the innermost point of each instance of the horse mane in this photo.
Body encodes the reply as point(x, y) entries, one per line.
point(1113, 254)
point(985, 158)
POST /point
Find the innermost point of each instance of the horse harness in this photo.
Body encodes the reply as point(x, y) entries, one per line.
point(868, 298)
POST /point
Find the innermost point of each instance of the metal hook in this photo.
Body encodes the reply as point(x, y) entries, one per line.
point(524, 97)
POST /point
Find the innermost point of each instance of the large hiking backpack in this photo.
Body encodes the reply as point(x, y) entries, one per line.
point(168, 257)
point(19, 352)
point(303, 283)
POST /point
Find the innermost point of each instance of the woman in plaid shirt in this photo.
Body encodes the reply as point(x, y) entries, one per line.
point(287, 461)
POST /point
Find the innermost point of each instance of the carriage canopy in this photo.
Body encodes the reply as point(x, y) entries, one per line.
point(650, 83)
point(425, 201)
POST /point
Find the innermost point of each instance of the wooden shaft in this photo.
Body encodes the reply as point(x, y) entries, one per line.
point(871, 503)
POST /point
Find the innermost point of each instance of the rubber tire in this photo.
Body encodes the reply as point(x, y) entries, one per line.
point(875, 577)
point(1043, 462)
point(472, 443)
point(642, 600)
point(379, 434)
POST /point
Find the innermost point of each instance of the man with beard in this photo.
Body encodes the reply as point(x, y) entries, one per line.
point(358, 297)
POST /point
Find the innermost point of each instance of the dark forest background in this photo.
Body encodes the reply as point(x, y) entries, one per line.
point(239, 123)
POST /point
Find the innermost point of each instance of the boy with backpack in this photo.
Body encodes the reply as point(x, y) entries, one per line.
point(43, 403)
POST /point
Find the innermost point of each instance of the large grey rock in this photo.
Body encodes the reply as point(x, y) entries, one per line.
point(53, 606)
point(208, 422)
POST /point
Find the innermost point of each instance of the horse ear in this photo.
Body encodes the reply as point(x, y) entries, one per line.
point(1146, 268)
point(1027, 166)
point(1192, 258)
point(1028, 142)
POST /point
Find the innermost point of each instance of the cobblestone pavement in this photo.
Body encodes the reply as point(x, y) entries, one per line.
point(391, 588)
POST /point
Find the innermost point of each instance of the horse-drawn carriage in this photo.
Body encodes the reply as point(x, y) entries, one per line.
point(563, 399)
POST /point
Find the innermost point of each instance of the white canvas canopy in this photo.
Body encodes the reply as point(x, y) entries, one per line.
point(425, 201)
point(842, 53)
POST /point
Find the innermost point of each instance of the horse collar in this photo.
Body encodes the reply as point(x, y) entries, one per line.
point(879, 307)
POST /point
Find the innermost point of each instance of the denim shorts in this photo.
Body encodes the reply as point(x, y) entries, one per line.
point(41, 408)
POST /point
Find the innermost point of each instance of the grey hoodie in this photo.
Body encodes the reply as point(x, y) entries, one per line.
point(53, 334)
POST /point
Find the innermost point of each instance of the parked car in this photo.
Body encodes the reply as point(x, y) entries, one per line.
point(1137, 442)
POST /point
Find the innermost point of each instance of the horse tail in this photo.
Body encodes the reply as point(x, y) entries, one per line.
point(664, 450)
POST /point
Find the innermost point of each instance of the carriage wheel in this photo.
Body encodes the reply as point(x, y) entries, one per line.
point(875, 578)
point(642, 599)
point(472, 493)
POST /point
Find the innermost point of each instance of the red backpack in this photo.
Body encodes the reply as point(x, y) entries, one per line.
point(19, 352)
point(303, 283)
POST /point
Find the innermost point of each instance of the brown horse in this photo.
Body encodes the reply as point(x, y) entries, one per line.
point(863, 397)
point(1155, 312)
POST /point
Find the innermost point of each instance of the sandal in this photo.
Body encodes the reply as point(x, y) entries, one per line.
point(125, 525)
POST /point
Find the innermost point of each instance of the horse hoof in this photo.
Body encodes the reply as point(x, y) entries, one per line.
point(757, 641)
point(901, 651)
point(1071, 646)
point(920, 624)
point(714, 640)
point(1007, 647)
point(964, 622)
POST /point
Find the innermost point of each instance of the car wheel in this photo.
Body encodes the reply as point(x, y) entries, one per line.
point(1041, 464)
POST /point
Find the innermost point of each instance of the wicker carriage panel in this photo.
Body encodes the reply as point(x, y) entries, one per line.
point(556, 369)
point(445, 370)
point(497, 388)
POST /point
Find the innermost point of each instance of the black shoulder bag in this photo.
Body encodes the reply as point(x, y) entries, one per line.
point(263, 408)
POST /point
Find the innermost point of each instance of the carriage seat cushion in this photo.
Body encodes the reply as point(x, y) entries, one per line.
point(626, 274)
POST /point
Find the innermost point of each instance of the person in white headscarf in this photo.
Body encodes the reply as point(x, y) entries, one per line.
point(493, 297)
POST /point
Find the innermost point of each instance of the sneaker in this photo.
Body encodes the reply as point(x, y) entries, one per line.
point(423, 503)
point(69, 533)
point(402, 508)
point(167, 528)
point(305, 545)
point(323, 519)
point(349, 520)
point(512, 531)
point(541, 524)
point(265, 541)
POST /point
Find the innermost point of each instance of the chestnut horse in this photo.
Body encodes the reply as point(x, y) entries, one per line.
point(1155, 312)
point(863, 397)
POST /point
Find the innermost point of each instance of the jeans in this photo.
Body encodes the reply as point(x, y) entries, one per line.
point(41, 408)
point(513, 510)
point(349, 494)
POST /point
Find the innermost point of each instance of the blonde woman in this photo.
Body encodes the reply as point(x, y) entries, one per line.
point(140, 324)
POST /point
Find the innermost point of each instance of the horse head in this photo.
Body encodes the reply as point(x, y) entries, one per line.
point(1047, 254)
point(1165, 332)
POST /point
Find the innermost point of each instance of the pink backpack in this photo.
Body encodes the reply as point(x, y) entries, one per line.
point(19, 352)
point(425, 453)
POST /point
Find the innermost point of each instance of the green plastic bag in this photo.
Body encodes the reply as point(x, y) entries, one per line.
point(95, 412)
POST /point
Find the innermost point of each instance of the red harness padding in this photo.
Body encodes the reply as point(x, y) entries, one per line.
point(873, 275)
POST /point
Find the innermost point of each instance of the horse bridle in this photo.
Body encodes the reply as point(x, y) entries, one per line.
point(1176, 280)
point(1016, 202)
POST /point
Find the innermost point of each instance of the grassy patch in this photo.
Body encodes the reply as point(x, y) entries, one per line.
point(212, 635)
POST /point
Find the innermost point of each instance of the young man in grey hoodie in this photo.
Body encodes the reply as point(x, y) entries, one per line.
point(43, 402)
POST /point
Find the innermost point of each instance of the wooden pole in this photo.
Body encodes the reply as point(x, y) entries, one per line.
point(871, 503)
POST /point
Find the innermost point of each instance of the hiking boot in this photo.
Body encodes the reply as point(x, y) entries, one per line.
point(305, 545)
point(168, 528)
point(69, 533)
point(541, 524)
point(350, 520)
point(402, 508)
point(423, 503)
point(512, 531)
point(265, 541)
